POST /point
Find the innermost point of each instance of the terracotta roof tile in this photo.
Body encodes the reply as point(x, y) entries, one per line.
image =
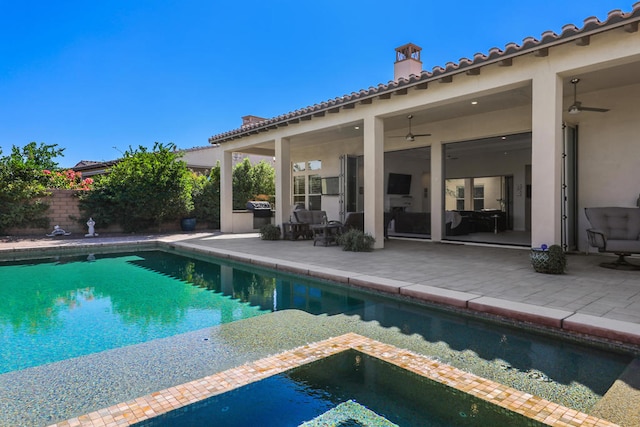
point(530, 44)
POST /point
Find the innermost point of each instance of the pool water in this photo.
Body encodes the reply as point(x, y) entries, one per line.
point(347, 389)
point(58, 309)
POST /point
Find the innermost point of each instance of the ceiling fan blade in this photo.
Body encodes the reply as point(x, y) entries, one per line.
point(422, 134)
point(599, 110)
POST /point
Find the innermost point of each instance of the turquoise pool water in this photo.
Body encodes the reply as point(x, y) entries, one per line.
point(59, 308)
point(347, 389)
point(52, 310)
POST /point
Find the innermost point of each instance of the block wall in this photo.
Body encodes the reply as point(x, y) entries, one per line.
point(64, 211)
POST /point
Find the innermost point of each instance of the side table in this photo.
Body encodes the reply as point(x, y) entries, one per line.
point(326, 233)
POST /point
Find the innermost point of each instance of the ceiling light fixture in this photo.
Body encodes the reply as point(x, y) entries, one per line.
point(474, 102)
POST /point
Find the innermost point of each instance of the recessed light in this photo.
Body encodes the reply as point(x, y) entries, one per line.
point(356, 127)
point(504, 137)
point(474, 102)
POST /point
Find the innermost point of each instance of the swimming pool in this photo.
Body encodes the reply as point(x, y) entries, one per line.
point(572, 374)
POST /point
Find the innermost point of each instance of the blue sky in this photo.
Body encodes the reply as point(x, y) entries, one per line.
point(98, 77)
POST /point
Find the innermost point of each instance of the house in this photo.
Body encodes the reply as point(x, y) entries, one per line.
point(513, 142)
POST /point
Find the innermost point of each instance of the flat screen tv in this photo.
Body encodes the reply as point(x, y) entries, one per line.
point(399, 183)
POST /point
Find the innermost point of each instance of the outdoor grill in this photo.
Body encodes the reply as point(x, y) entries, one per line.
point(261, 212)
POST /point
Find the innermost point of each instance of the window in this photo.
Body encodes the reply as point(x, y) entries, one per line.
point(478, 197)
point(307, 185)
point(315, 165)
point(315, 192)
point(299, 195)
point(459, 198)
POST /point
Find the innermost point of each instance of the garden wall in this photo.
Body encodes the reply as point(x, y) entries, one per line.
point(64, 211)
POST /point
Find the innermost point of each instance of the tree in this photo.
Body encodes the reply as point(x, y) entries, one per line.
point(264, 179)
point(243, 184)
point(250, 181)
point(23, 184)
point(206, 197)
point(143, 190)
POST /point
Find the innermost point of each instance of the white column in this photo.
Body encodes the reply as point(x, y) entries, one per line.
point(283, 180)
point(546, 159)
point(374, 179)
point(437, 191)
point(226, 193)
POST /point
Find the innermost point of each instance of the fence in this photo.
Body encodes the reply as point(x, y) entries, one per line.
point(64, 211)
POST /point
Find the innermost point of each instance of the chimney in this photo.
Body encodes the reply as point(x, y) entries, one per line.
point(250, 120)
point(407, 61)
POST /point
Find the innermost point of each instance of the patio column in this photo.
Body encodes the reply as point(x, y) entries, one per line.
point(437, 191)
point(546, 159)
point(283, 180)
point(374, 179)
point(226, 193)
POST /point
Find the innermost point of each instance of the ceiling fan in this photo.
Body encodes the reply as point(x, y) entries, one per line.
point(410, 136)
point(577, 107)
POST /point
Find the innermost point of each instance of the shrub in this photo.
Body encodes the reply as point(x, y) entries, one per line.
point(356, 241)
point(23, 185)
point(270, 232)
point(206, 198)
point(68, 180)
point(249, 182)
point(143, 190)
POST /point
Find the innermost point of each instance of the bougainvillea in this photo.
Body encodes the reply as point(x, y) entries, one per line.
point(68, 180)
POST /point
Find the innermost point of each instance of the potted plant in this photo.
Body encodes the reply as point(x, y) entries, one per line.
point(550, 260)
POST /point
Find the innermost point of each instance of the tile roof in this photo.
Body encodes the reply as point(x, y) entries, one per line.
point(592, 25)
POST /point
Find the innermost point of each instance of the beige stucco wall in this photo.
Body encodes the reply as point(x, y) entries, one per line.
point(608, 153)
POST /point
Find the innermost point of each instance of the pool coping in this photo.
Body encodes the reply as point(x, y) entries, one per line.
point(626, 333)
point(161, 402)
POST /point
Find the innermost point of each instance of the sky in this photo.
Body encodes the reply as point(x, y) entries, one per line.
point(98, 77)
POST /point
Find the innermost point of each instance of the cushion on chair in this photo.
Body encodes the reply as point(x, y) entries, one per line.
point(309, 217)
point(617, 223)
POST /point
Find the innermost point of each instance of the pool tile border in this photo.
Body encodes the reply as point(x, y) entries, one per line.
point(158, 403)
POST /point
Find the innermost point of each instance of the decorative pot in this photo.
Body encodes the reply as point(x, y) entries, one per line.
point(188, 224)
point(548, 261)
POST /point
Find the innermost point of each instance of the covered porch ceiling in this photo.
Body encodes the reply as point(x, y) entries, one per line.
point(397, 124)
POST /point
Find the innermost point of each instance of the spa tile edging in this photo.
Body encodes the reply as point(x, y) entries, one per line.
point(161, 402)
point(568, 321)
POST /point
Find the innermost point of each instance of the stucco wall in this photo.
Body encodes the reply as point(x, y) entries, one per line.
point(608, 153)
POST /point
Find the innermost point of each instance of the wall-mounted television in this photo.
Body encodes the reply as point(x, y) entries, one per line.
point(399, 183)
point(331, 186)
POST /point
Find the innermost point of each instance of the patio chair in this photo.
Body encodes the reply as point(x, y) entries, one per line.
point(615, 230)
point(353, 220)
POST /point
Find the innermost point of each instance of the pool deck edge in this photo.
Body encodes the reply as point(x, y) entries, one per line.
point(568, 321)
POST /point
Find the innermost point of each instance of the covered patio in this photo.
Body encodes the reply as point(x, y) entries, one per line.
point(552, 119)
